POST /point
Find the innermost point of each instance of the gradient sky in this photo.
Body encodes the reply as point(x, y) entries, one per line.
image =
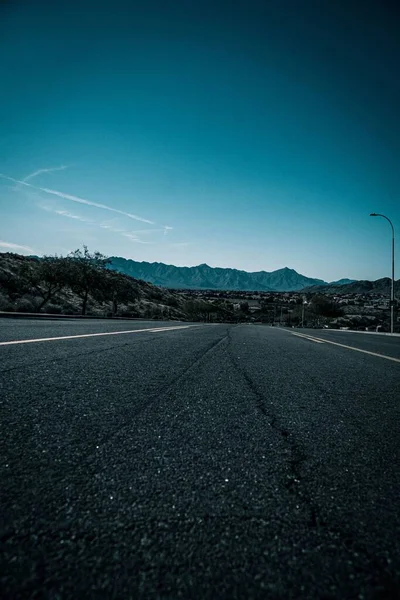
point(253, 135)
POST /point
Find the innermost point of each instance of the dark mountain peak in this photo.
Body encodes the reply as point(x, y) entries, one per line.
point(285, 270)
point(343, 281)
point(362, 286)
point(205, 277)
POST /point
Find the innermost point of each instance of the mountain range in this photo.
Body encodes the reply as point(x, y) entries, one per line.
point(380, 286)
point(204, 277)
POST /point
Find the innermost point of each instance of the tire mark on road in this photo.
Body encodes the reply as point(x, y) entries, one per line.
point(154, 397)
point(165, 389)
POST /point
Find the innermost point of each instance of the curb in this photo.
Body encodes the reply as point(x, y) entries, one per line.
point(20, 315)
point(366, 332)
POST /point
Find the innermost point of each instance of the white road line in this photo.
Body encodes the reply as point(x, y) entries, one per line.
point(348, 347)
point(380, 333)
point(89, 335)
point(307, 337)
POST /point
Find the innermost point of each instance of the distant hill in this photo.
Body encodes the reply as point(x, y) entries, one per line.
point(380, 286)
point(213, 278)
point(342, 281)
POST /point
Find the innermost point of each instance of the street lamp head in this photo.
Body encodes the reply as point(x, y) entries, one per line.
point(373, 215)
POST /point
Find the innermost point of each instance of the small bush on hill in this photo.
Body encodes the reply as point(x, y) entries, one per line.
point(54, 309)
point(5, 304)
point(24, 305)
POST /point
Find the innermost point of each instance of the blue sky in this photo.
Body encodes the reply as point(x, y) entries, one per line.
point(253, 135)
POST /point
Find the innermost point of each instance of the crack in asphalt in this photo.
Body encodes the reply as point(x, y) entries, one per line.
point(298, 457)
point(296, 484)
point(63, 358)
point(156, 396)
point(164, 390)
point(324, 529)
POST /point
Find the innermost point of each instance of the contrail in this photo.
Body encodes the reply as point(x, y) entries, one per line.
point(95, 204)
point(78, 200)
point(39, 171)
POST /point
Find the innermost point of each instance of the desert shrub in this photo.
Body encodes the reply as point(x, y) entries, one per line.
point(129, 311)
point(24, 305)
point(54, 309)
point(5, 304)
point(172, 301)
point(156, 295)
point(34, 300)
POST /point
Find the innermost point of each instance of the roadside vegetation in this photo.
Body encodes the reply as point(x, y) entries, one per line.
point(82, 284)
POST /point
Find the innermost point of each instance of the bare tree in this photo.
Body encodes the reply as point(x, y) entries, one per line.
point(85, 273)
point(119, 288)
point(46, 277)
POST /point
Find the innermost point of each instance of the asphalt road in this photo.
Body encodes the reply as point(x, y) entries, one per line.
point(371, 342)
point(210, 461)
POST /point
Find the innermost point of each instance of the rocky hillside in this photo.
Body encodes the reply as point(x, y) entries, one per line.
point(210, 278)
point(78, 285)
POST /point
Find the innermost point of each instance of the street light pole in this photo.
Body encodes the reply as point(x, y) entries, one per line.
point(392, 289)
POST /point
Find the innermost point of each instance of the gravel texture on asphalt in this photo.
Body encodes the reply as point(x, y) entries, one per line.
point(217, 461)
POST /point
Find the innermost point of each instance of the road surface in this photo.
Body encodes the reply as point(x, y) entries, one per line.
point(198, 461)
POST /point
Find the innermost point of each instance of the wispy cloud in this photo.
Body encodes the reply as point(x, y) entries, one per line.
point(180, 244)
point(134, 238)
point(112, 225)
point(65, 213)
point(12, 246)
point(40, 171)
point(151, 231)
point(17, 186)
point(78, 200)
